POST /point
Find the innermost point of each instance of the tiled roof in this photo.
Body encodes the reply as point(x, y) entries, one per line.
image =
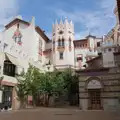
point(98, 57)
point(93, 70)
point(80, 41)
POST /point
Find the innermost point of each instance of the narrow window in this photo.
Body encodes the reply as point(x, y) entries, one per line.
point(98, 44)
point(18, 25)
point(59, 43)
point(9, 68)
point(61, 56)
point(53, 43)
point(63, 44)
point(69, 42)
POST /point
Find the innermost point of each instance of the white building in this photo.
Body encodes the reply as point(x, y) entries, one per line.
point(113, 37)
point(85, 49)
point(68, 52)
point(23, 43)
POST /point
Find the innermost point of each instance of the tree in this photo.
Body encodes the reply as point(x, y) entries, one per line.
point(27, 85)
point(71, 85)
point(51, 85)
point(47, 84)
point(32, 79)
point(22, 91)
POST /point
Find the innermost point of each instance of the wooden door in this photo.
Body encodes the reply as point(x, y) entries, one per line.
point(95, 99)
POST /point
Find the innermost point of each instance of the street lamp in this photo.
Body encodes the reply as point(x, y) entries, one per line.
point(48, 65)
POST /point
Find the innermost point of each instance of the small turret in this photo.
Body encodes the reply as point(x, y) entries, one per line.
point(66, 21)
point(61, 22)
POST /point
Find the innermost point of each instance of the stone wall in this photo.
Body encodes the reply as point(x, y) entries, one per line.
point(110, 93)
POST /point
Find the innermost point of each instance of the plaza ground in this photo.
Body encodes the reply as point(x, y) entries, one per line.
point(59, 114)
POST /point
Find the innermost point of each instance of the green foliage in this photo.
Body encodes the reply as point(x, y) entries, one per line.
point(49, 84)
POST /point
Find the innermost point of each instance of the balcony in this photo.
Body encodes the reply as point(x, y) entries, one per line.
point(61, 48)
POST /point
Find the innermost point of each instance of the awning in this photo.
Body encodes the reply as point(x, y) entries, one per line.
point(12, 59)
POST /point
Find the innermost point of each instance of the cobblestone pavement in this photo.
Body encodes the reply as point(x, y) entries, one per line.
point(58, 114)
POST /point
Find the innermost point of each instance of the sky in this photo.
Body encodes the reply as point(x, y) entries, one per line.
point(89, 16)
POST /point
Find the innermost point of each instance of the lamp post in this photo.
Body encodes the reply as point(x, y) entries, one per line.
point(48, 65)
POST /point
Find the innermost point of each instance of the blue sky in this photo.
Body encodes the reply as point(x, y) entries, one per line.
point(94, 16)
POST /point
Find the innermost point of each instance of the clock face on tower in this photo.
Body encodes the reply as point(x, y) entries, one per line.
point(61, 32)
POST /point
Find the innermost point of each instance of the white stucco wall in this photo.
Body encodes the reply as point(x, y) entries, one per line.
point(108, 57)
point(26, 53)
point(89, 51)
point(68, 32)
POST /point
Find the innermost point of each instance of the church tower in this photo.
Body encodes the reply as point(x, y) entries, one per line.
point(62, 44)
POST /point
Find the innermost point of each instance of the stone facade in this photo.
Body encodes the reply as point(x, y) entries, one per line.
point(104, 80)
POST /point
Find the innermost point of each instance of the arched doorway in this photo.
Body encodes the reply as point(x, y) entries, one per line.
point(94, 88)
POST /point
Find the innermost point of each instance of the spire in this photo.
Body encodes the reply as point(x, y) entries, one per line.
point(66, 21)
point(33, 21)
point(61, 22)
point(53, 27)
point(56, 23)
point(71, 23)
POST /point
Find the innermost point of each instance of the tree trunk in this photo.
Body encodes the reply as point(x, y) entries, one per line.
point(34, 101)
point(22, 104)
point(47, 97)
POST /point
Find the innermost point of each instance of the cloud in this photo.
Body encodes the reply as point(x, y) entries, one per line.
point(8, 9)
point(97, 22)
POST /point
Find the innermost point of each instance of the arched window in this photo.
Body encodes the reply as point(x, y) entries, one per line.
point(18, 25)
point(59, 42)
point(9, 68)
point(69, 42)
point(53, 43)
point(63, 42)
point(61, 55)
